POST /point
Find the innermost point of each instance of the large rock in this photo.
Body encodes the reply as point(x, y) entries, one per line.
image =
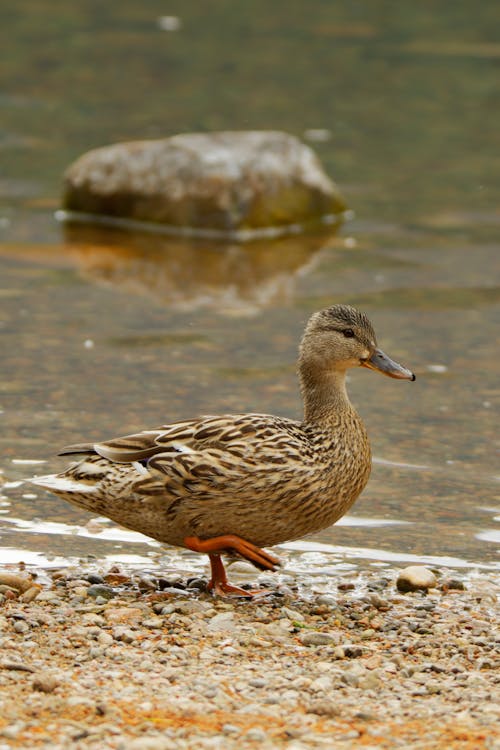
point(219, 183)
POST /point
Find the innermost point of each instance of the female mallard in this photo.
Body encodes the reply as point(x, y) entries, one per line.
point(239, 482)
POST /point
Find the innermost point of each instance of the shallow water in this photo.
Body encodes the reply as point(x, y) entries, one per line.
point(104, 333)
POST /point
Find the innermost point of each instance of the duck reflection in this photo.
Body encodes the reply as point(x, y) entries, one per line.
point(189, 274)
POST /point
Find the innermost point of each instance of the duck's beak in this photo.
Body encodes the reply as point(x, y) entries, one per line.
point(384, 364)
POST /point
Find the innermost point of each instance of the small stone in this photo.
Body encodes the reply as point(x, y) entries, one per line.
point(262, 642)
point(79, 700)
point(353, 734)
point(12, 732)
point(416, 578)
point(370, 682)
point(323, 707)
point(100, 590)
point(321, 684)
point(257, 682)
point(153, 623)
point(230, 729)
point(199, 584)
point(124, 635)
point(222, 621)
point(365, 716)
point(367, 634)
point(191, 606)
point(327, 600)
point(378, 585)
point(292, 614)
point(452, 584)
point(351, 678)
point(80, 591)
point(123, 614)
point(255, 735)
point(146, 583)
point(345, 586)
point(21, 626)
point(48, 596)
point(94, 578)
point(14, 581)
point(45, 682)
point(317, 638)
point(353, 650)
point(92, 618)
point(30, 594)
point(378, 602)
point(105, 639)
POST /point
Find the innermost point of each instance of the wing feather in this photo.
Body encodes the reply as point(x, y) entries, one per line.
point(206, 449)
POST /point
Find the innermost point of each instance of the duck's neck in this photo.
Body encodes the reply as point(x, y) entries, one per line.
point(324, 393)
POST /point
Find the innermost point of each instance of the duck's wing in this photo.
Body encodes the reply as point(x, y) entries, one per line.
point(128, 448)
point(210, 446)
point(229, 447)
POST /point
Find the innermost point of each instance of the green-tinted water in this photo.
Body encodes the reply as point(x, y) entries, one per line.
point(104, 334)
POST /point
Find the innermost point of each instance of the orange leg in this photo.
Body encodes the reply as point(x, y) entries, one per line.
point(218, 582)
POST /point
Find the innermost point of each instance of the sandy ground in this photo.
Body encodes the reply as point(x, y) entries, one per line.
point(108, 658)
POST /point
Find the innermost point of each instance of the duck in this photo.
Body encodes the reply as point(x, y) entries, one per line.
point(237, 483)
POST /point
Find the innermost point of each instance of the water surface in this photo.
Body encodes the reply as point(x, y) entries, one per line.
point(105, 333)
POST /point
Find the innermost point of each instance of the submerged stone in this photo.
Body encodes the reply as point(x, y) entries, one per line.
point(224, 183)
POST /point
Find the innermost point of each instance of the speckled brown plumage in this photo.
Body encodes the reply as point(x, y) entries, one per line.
point(262, 478)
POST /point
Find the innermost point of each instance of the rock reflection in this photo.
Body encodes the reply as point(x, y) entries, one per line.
point(192, 274)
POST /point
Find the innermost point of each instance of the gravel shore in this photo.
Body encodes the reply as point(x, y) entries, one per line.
point(96, 657)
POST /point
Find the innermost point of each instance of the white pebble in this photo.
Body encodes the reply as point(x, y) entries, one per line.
point(222, 621)
point(415, 578)
point(437, 368)
point(169, 23)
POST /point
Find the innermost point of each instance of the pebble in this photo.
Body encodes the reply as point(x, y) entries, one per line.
point(45, 682)
point(105, 639)
point(146, 583)
point(292, 614)
point(125, 635)
point(351, 678)
point(222, 622)
point(321, 684)
point(21, 626)
point(29, 594)
point(14, 581)
point(94, 578)
point(153, 623)
point(324, 707)
point(452, 583)
point(12, 731)
point(123, 614)
point(230, 729)
point(100, 590)
point(416, 578)
point(255, 735)
point(317, 638)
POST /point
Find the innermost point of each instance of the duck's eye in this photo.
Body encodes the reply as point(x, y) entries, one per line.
point(348, 333)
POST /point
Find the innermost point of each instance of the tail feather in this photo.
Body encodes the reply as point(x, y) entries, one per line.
point(77, 448)
point(59, 483)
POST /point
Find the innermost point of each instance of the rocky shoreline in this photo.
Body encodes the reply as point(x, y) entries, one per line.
point(95, 657)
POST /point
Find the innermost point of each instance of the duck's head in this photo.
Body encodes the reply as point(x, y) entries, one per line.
point(340, 337)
